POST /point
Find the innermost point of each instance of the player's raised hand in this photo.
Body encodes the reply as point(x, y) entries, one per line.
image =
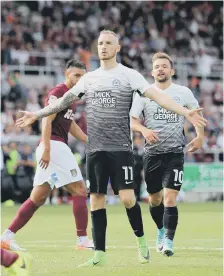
point(195, 144)
point(45, 159)
point(28, 119)
point(150, 136)
point(195, 118)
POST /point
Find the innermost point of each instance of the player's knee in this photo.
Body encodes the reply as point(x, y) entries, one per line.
point(154, 200)
point(128, 202)
point(40, 200)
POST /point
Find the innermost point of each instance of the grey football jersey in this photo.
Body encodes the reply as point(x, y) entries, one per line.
point(109, 96)
point(169, 125)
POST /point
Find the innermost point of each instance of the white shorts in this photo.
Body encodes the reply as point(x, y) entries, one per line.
point(62, 169)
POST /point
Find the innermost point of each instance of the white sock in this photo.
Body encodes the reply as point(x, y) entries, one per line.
point(82, 238)
point(8, 234)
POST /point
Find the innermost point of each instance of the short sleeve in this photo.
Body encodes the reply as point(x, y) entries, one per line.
point(53, 95)
point(138, 82)
point(137, 106)
point(79, 89)
point(190, 101)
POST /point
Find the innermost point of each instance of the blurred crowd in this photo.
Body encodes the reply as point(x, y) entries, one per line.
point(186, 29)
point(183, 29)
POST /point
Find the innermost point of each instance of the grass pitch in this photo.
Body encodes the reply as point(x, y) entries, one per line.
point(50, 237)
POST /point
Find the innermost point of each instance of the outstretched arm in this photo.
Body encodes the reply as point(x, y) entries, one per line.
point(166, 102)
point(74, 94)
point(57, 106)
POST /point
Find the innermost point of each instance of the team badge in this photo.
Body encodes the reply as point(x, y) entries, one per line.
point(73, 172)
point(177, 99)
point(116, 83)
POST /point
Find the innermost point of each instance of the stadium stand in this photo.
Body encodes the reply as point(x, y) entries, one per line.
point(38, 37)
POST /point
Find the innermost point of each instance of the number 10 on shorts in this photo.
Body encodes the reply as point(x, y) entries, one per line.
point(128, 174)
point(178, 176)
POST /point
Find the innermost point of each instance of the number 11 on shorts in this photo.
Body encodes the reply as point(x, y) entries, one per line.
point(128, 174)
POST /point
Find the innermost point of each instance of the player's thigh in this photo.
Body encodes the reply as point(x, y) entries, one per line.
point(173, 171)
point(121, 166)
point(153, 173)
point(97, 172)
point(62, 169)
point(40, 193)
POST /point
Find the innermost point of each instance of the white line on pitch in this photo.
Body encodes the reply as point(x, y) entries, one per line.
point(132, 247)
point(72, 241)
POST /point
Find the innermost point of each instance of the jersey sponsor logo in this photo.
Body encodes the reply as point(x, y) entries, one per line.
point(128, 182)
point(104, 99)
point(69, 115)
point(73, 172)
point(116, 83)
point(163, 114)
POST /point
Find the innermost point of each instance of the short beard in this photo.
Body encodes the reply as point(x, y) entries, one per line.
point(162, 80)
point(108, 58)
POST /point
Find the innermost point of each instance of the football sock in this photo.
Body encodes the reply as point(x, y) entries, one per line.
point(157, 214)
point(99, 226)
point(170, 220)
point(80, 212)
point(23, 215)
point(135, 219)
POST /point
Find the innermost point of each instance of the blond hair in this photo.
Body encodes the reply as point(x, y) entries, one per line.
point(162, 55)
point(110, 32)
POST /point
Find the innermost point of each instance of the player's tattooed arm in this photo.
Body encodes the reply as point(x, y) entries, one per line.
point(57, 105)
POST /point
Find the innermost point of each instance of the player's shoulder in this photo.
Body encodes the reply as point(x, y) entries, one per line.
point(126, 69)
point(59, 90)
point(181, 88)
point(92, 73)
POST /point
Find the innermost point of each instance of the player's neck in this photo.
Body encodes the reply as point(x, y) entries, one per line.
point(108, 64)
point(163, 85)
point(67, 85)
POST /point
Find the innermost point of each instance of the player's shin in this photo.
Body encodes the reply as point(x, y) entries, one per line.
point(80, 212)
point(170, 221)
point(24, 214)
point(135, 219)
point(157, 213)
point(99, 225)
point(170, 224)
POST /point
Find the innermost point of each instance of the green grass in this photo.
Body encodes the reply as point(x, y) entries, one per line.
point(50, 237)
